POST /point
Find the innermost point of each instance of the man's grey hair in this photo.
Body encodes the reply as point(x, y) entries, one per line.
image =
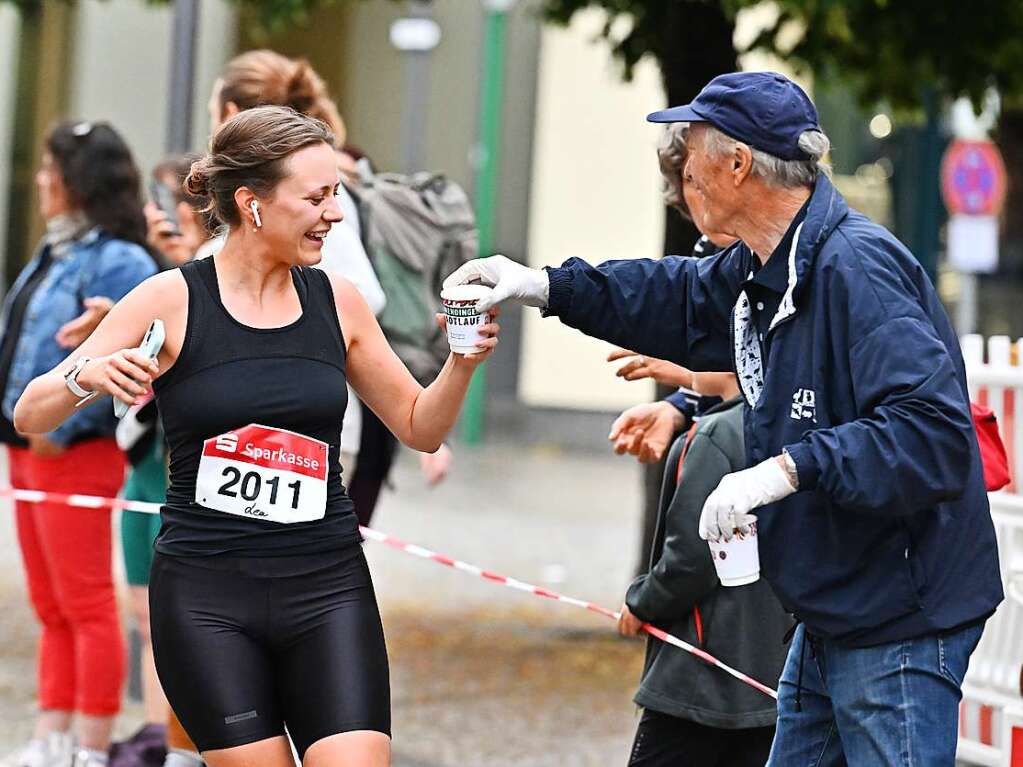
point(671, 156)
point(788, 174)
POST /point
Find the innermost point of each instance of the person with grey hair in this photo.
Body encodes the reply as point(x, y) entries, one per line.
point(671, 157)
point(872, 518)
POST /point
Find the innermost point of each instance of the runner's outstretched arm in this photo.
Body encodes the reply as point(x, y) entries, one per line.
point(420, 417)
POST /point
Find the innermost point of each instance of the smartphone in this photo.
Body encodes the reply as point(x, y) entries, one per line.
point(150, 347)
point(163, 197)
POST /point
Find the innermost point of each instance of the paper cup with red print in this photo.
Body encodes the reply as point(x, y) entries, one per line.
point(464, 322)
point(737, 561)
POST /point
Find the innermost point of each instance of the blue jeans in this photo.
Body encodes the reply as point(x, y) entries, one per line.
point(893, 704)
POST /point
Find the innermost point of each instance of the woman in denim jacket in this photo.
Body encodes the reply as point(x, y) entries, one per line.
point(92, 253)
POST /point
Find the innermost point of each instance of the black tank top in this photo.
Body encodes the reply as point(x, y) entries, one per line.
point(229, 375)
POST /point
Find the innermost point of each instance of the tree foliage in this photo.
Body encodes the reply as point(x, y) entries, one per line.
point(691, 40)
point(896, 50)
point(885, 50)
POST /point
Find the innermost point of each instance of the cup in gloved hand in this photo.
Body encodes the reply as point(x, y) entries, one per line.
point(737, 560)
point(463, 319)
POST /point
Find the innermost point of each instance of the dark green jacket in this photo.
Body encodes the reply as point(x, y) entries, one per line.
point(742, 626)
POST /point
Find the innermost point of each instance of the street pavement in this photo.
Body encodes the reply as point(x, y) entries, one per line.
point(481, 675)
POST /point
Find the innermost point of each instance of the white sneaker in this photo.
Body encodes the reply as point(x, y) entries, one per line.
point(182, 759)
point(54, 751)
point(85, 757)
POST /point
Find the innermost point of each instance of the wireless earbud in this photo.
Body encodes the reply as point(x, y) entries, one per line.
point(254, 207)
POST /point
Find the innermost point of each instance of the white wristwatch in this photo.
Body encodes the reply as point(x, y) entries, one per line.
point(71, 381)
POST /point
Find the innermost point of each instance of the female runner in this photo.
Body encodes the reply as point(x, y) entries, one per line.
point(263, 612)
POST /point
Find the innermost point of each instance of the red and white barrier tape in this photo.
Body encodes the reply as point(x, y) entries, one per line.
point(82, 501)
point(465, 567)
point(96, 502)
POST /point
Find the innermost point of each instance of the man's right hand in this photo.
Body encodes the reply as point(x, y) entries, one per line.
point(510, 280)
point(646, 430)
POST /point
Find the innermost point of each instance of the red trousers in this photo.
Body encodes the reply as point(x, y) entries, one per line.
point(68, 560)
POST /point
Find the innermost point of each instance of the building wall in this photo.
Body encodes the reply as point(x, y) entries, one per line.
point(365, 74)
point(39, 96)
point(514, 202)
point(120, 68)
point(371, 94)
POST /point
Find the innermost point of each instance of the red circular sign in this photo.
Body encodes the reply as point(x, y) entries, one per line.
point(973, 178)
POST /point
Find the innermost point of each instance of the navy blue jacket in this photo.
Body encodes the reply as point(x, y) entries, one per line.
point(890, 536)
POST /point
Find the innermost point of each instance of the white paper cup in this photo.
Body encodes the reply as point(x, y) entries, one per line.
point(464, 322)
point(737, 561)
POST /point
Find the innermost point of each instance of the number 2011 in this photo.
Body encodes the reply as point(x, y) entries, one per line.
point(250, 485)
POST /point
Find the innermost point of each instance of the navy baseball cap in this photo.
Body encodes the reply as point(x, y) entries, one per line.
point(763, 109)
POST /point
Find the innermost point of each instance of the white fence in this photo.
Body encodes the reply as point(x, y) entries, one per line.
point(991, 721)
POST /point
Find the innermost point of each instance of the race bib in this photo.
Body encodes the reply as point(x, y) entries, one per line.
point(264, 473)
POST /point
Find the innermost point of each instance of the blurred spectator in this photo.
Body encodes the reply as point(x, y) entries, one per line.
point(94, 247)
point(179, 234)
point(694, 714)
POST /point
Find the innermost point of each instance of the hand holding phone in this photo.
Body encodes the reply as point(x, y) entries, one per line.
point(149, 348)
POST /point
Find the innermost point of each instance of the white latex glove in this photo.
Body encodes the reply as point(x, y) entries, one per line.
point(728, 508)
point(510, 280)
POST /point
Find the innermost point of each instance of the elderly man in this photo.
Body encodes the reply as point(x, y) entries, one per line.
point(874, 524)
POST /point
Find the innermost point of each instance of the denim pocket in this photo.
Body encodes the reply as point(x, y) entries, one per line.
point(954, 650)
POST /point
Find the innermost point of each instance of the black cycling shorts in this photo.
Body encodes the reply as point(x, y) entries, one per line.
point(242, 650)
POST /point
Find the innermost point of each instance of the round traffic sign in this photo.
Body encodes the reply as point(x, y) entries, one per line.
point(973, 178)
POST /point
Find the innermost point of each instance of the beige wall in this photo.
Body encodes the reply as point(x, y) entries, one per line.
point(596, 195)
point(120, 68)
point(371, 95)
